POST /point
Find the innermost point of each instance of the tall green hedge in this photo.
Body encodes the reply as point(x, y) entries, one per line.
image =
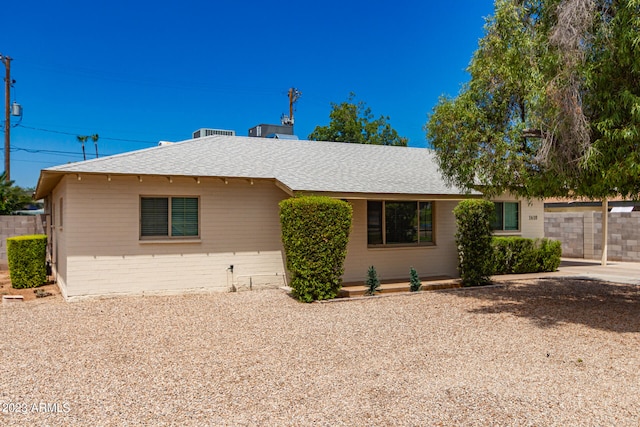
point(473, 240)
point(27, 260)
point(516, 255)
point(315, 233)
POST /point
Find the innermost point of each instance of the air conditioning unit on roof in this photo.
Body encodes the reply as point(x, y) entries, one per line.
point(201, 133)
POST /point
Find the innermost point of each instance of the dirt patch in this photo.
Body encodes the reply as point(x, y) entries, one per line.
point(28, 294)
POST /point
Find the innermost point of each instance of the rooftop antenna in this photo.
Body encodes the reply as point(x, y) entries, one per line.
point(294, 95)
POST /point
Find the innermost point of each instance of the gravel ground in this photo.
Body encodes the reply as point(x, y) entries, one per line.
point(541, 353)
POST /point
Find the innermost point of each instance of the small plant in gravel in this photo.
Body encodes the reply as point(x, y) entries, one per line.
point(41, 293)
point(414, 281)
point(372, 283)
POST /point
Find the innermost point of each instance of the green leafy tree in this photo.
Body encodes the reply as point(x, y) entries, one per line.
point(553, 103)
point(353, 121)
point(12, 198)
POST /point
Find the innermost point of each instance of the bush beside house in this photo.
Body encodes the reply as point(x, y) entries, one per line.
point(27, 260)
point(315, 233)
point(473, 240)
point(480, 254)
point(516, 255)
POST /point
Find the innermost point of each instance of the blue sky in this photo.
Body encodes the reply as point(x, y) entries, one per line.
point(138, 72)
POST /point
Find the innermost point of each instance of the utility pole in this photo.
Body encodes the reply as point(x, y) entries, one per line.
point(294, 94)
point(7, 116)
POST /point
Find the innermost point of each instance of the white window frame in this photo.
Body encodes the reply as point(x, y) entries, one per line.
point(169, 234)
point(502, 229)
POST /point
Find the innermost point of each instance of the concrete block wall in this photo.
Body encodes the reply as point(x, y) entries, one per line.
point(568, 227)
point(581, 234)
point(624, 236)
point(17, 225)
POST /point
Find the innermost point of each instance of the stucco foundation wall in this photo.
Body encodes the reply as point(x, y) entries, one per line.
point(581, 234)
point(239, 226)
point(17, 225)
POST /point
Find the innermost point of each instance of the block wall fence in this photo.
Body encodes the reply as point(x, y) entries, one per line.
point(581, 234)
point(17, 225)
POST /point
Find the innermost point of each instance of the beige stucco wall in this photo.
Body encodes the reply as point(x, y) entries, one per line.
point(97, 249)
point(395, 262)
point(437, 260)
point(57, 238)
point(531, 218)
point(239, 226)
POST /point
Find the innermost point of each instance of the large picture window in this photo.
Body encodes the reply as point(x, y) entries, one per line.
point(399, 223)
point(507, 216)
point(169, 217)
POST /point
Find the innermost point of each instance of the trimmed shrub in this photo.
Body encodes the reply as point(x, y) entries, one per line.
point(473, 240)
point(517, 255)
point(315, 233)
point(372, 283)
point(414, 281)
point(27, 260)
point(549, 254)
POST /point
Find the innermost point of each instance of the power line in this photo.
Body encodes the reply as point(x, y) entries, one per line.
point(101, 137)
point(38, 162)
point(52, 152)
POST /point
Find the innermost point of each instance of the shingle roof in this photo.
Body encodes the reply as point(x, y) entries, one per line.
point(300, 165)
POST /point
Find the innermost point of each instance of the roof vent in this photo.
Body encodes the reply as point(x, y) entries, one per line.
point(201, 133)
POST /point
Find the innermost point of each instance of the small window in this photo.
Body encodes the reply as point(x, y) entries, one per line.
point(507, 216)
point(61, 216)
point(169, 217)
point(399, 223)
point(374, 223)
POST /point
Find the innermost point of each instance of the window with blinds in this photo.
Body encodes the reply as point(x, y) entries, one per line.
point(169, 217)
point(507, 216)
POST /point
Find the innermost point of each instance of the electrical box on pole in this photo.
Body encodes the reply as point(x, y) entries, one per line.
point(294, 95)
point(16, 109)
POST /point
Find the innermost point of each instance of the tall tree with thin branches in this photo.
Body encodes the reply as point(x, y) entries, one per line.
point(82, 139)
point(553, 104)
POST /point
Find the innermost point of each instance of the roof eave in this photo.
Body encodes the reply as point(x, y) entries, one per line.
point(389, 196)
point(49, 179)
point(47, 182)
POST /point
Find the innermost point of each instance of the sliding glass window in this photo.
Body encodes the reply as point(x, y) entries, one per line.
point(399, 223)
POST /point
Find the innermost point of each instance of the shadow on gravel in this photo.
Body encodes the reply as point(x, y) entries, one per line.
point(549, 302)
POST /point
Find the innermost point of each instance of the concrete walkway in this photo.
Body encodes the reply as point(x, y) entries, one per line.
point(614, 271)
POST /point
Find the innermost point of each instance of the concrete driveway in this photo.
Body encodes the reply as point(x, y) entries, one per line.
point(614, 271)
